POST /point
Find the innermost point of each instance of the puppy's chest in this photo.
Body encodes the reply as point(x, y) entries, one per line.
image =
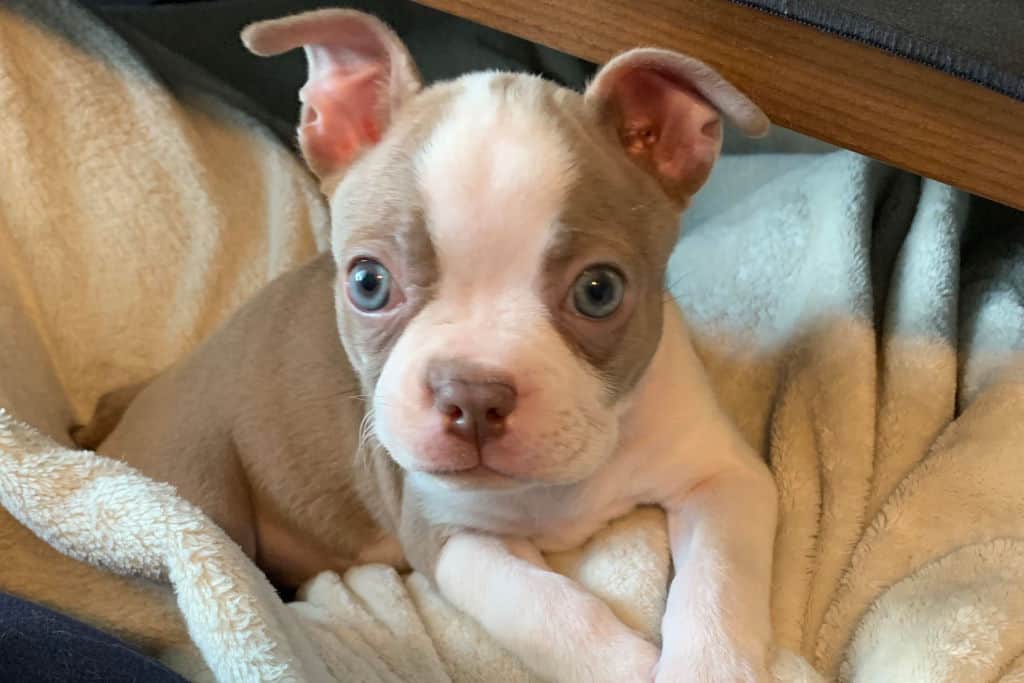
point(570, 523)
point(554, 518)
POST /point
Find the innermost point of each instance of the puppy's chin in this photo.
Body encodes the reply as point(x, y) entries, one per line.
point(479, 478)
point(507, 464)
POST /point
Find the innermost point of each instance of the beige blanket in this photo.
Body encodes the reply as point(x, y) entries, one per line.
point(864, 337)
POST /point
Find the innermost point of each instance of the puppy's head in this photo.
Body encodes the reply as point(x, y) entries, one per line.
point(501, 242)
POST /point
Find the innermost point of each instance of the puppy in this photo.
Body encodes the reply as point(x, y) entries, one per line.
point(486, 366)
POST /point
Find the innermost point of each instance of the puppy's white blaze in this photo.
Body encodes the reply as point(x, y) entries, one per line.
point(494, 177)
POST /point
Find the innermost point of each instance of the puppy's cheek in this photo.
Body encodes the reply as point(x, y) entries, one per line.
point(389, 435)
point(562, 430)
point(400, 401)
point(390, 421)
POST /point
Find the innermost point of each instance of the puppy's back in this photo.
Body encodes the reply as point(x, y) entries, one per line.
point(259, 426)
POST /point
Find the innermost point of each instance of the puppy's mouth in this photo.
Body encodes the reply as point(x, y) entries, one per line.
point(475, 476)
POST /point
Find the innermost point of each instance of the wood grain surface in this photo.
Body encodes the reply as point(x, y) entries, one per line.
point(840, 91)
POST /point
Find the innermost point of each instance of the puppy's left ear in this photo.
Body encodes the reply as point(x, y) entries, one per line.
point(665, 108)
point(359, 76)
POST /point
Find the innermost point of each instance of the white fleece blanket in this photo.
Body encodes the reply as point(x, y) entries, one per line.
point(866, 336)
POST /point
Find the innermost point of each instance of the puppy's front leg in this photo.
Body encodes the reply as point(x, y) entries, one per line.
point(717, 624)
point(559, 631)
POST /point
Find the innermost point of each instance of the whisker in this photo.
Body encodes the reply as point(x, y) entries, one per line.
point(349, 393)
point(363, 446)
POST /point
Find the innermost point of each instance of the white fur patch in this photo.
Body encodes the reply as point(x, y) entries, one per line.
point(494, 177)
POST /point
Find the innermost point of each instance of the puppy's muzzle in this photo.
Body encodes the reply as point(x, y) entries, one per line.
point(474, 401)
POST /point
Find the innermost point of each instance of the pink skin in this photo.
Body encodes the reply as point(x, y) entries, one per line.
point(338, 121)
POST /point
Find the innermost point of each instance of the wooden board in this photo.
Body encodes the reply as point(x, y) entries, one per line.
point(840, 91)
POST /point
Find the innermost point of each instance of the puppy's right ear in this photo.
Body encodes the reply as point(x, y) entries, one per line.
point(666, 109)
point(359, 75)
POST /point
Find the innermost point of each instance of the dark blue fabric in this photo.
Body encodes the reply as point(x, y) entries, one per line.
point(39, 645)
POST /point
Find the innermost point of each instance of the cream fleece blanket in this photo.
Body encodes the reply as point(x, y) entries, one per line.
point(865, 339)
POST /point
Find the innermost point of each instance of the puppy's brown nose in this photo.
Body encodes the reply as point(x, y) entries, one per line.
point(474, 401)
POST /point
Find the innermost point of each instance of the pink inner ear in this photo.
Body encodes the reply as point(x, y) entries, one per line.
point(668, 125)
point(342, 114)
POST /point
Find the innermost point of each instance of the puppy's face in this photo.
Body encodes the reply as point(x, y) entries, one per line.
point(500, 241)
point(501, 267)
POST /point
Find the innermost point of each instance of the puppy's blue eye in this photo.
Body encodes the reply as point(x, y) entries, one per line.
point(597, 292)
point(369, 285)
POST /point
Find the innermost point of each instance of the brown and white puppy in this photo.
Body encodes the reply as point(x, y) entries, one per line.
point(510, 374)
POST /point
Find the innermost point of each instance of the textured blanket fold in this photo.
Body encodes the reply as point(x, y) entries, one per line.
point(864, 328)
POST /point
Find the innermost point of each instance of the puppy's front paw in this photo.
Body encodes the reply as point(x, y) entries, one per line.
point(720, 667)
point(626, 659)
point(710, 674)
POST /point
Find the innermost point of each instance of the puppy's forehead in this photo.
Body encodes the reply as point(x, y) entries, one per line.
point(494, 176)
